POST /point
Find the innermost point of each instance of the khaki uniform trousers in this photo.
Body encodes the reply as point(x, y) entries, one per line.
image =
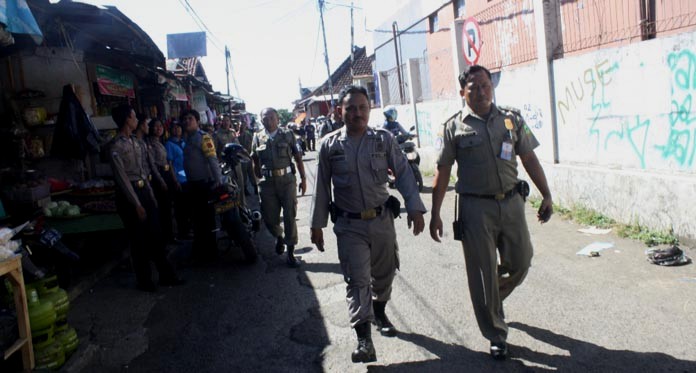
point(368, 253)
point(279, 192)
point(488, 224)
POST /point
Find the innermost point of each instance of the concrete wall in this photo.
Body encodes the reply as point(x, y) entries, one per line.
point(627, 132)
point(58, 67)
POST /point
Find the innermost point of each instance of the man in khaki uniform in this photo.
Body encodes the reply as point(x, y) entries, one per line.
point(355, 160)
point(485, 141)
point(272, 151)
point(225, 134)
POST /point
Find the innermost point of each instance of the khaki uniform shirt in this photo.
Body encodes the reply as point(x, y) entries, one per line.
point(358, 170)
point(153, 175)
point(245, 139)
point(274, 153)
point(224, 137)
point(158, 153)
point(128, 162)
point(476, 144)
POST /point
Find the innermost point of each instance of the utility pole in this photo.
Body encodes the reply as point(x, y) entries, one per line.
point(352, 42)
point(227, 68)
point(398, 62)
point(326, 51)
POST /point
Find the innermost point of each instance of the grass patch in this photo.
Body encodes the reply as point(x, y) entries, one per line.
point(589, 217)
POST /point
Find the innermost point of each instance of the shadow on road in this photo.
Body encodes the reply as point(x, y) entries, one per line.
point(582, 357)
point(585, 355)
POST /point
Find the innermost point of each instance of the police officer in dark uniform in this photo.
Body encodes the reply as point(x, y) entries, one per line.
point(203, 177)
point(355, 160)
point(136, 204)
point(485, 141)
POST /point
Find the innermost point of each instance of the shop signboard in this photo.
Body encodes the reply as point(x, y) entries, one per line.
point(113, 82)
point(189, 44)
point(177, 92)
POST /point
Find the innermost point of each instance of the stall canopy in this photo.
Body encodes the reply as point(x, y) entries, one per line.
point(99, 31)
point(17, 17)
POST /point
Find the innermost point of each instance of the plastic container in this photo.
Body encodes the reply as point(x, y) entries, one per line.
point(51, 357)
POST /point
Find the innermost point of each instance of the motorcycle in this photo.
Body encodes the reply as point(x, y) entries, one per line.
point(408, 148)
point(240, 223)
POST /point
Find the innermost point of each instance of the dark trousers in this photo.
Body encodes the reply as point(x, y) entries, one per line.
point(311, 144)
point(164, 204)
point(146, 241)
point(182, 211)
point(203, 216)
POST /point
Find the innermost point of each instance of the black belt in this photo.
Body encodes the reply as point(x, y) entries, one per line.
point(497, 197)
point(363, 215)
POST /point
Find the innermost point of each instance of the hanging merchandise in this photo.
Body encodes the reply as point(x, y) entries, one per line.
point(75, 135)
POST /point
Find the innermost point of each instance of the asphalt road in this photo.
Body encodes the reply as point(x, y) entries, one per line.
point(613, 313)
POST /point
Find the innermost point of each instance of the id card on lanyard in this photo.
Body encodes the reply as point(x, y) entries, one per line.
point(506, 148)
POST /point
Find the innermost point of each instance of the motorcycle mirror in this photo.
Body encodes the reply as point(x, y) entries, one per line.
point(412, 128)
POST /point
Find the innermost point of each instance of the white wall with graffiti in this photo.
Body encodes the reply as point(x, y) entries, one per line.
point(629, 107)
point(522, 88)
point(626, 126)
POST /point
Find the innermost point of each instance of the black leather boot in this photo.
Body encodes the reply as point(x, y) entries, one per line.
point(365, 352)
point(280, 246)
point(385, 327)
point(291, 260)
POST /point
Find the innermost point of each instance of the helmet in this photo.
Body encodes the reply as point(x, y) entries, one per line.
point(390, 113)
point(234, 153)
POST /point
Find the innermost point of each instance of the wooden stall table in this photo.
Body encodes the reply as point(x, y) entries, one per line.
point(86, 224)
point(12, 267)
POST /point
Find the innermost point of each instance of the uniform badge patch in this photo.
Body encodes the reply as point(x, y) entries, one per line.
point(208, 146)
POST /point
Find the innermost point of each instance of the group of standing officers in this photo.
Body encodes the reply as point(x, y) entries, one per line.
point(353, 163)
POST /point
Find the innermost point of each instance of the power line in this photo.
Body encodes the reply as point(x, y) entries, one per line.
point(277, 20)
point(200, 24)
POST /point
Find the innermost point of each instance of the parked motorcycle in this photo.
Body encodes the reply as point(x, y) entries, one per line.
point(408, 148)
point(236, 219)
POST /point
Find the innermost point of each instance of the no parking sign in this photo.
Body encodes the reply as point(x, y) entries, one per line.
point(471, 41)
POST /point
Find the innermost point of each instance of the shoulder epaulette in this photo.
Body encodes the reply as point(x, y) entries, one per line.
point(510, 109)
point(452, 116)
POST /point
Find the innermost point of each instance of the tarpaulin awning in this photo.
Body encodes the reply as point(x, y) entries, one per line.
point(300, 118)
point(19, 19)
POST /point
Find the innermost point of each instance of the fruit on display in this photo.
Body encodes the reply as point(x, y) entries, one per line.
point(61, 209)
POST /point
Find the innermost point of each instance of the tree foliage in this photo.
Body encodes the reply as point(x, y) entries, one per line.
point(284, 116)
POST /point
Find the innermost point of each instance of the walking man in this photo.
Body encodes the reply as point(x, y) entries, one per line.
point(272, 151)
point(355, 160)
point(485, 141)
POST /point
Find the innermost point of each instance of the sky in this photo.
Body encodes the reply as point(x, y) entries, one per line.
point(274, 44)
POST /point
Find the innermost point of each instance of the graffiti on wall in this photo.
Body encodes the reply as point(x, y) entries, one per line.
point(594, 79)
point(533, 116)
point(681, 141)
point(668, 136)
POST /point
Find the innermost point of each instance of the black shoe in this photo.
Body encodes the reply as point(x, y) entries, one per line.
point(280, 246)
point(365, 352)
point(174, 281)
point(499, 350)
point(148, 287)
point(292, 262)
point(385, 327)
